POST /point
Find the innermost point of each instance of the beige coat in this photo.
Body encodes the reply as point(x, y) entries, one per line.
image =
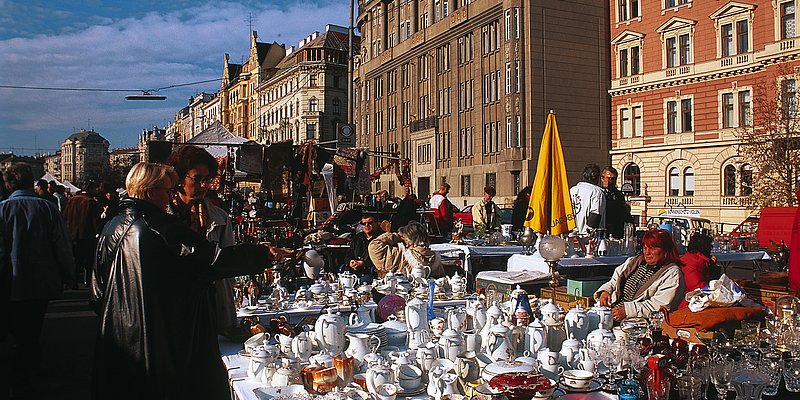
point(665, 288)
point(387, 256)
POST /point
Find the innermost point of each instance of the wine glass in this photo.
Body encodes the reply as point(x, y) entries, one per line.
point(721, 375)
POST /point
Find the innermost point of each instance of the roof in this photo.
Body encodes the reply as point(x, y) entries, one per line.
point(329, 40)
point(87, 136)
point(216, 136)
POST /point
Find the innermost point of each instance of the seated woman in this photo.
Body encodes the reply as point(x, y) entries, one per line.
point(400, 252)
point(646, 282)
point(697, 262)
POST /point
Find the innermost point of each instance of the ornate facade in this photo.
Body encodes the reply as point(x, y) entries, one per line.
point(84, 156)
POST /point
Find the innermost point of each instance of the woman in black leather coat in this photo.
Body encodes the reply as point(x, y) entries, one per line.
point(151, 285)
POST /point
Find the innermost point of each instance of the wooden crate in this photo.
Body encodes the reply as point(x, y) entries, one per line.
point(502, 291)
point(764, 294)
point(564, 299)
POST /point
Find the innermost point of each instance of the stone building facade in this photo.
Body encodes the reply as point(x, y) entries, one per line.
point(84, 156)
point(463, 88)
point(306, 96)
point(684, 74)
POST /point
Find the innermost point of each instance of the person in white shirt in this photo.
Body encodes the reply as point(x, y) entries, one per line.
point(588, 201)
point(442, 209)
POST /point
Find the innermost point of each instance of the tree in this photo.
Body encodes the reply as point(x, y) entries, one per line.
point(771, 144)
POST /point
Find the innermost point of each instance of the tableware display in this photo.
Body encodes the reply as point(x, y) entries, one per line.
point(591, 387)
point(274, 393)
point(522, 385)
point(576, 378)
point(386, 391)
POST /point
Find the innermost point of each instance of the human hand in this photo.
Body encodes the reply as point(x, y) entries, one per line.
point(618, 313)
point(386, 226)
point(605, 299)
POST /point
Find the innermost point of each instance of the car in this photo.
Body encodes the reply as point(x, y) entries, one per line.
point(683, 225)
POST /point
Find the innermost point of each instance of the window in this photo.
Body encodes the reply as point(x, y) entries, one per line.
point(312, 104)
point(443, 58)
point(673, 189)
point(729, 181)
point(378, 87)
point(465, 185)
point(336, 106)
point(508, 78)
point(686, 114)
point(675, 3)
point(626, 128)
point(517, 22)
point(631, 175)
point(391, 82)
point(422, 67)
point(491, 179)
point(672, 52)
point(311, 131)
point(465, 53)
point(787, 26)
point(627, 10)
point(405, 81)
point(742, 37)
point(789, 98)
point(746, 172)
point(312, 80)
point(518, 132)
point(672, 116)
point(517, 76)
point(727, 110)
point(490, 37)
point(735, 108)
point(685, 49)
point(727, 40)
point(688, 181)
point(735, 38)
point(508, 24)
point(509, 133)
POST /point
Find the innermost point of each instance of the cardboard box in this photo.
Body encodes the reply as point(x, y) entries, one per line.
point(565, 300)
point(499, 284)
point(585, 286)
point(687, 334)
point(764, 294)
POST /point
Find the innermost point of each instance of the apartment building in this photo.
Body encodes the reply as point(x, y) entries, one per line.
point(685, 74)
point(84, 157)
point(463, 88)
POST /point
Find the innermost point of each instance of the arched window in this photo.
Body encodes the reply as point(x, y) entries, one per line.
point(673, 189)
point(746, 176)
point(688, 181)
point(312, 104)
point(631, 174)
point(729, 181)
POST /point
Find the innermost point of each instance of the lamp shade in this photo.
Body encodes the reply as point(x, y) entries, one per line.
point(552, 248)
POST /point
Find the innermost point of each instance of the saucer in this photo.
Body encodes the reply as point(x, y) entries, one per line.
point(402, 392)
point(243, 353)
point(594, 385)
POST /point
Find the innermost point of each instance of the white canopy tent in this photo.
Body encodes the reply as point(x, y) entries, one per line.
point(70, 187)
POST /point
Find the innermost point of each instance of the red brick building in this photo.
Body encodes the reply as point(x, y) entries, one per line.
point(684, 74)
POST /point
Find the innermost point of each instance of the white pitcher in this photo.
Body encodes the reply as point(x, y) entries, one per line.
point(302, 346)
point(477, 313)
point(417, 314)
point(576, 323)
point(535, 337)
point(361, 344)
point(497, 343)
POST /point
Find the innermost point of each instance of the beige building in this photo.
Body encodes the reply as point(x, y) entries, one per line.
point(306, 96)
point(84, 156)
point(52, 164)
point(463, 89)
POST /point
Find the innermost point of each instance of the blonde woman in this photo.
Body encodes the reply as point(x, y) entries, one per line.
point(151, 286)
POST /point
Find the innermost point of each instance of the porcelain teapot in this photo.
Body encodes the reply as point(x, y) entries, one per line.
point(285, 375)
point(450, 344)
point(321, 359)
point(477, 313)
point(535, 337)
point(378, 374)
point(458, 283)
point(554, 332)
point(457, 319)
point(302, 346)
point(348, 280)
point(494, 316)
point(259, 361)
point(576, 323)
point(600, 317)
point(416, 314)
point(548, 309)
point(498, 344)
point(361, 344)
point(329, 331)
point(597, 336)
point(569, 349)
point(418, 272)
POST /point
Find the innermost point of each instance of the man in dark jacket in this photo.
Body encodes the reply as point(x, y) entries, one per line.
point(357, 257)
point(42, 190)
point(36, 263)
point(83, 220)
point(618, 212)
point(151, 285)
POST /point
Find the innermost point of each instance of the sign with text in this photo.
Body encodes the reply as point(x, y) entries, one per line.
point(345, 135)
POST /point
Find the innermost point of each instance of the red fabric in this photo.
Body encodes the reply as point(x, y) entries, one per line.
point(445, 211)
point(794, 253)
point(695, 272)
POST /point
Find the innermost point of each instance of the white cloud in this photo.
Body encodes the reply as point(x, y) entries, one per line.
point(150, 51)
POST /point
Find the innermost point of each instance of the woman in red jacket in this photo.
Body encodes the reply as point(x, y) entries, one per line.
point(697, 263)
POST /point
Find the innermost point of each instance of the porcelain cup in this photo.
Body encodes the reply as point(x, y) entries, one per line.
point(409, 377)
point(550, 361)
point(577, 379)
point(386, 391)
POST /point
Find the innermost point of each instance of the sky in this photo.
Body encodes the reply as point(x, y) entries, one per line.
point(137, 45)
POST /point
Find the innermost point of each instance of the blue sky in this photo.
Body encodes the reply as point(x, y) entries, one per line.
point(130, 45)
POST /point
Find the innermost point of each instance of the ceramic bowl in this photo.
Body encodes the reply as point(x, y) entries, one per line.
point(522, 385)
point(386, 391)
point(577, 378)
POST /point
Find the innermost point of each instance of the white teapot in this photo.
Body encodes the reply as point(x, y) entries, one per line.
point(535, 337)
point(548, 309)
point(498, 344)
point(419, 272)
point(458, 284)
point(477, 313)
point(347, 280)
point(302, 346)
point(450, 344)
point(378, 374)
point(576, 323)
point(600, 317)
point(329, 332)
point(417, 314)
point(259, 363)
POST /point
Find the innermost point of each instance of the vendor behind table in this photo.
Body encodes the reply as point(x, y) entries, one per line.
point(646, 282)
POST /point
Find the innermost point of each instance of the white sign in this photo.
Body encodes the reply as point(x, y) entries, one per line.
point(685, 212)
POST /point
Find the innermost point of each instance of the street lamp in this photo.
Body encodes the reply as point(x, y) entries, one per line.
point(146, 95)
point(552, 249)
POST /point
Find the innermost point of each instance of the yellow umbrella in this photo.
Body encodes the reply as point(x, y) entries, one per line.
point(550, 208)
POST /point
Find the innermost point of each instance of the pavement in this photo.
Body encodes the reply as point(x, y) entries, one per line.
point(68, 335)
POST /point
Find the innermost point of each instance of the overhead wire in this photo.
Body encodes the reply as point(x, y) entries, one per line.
point(71, 89)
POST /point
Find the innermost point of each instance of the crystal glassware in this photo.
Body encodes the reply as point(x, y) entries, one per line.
point(772, 365)
point(791, 374)
point(721, 374)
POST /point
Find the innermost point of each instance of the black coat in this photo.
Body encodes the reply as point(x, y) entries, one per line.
point(358, 251)
point(617, 213)
point(151, 284)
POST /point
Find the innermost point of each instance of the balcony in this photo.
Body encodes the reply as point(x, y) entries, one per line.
point(740, 59)
point(729, 201)
point(680, 200)
point(425, 123)
point(679, 71)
